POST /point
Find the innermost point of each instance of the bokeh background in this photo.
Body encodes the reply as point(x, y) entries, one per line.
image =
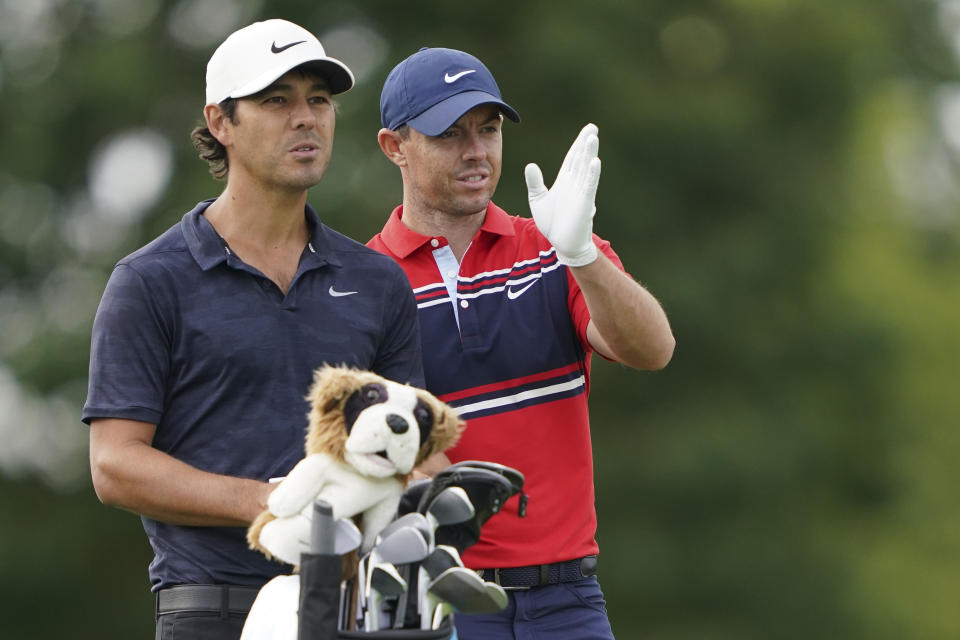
point(782, 174)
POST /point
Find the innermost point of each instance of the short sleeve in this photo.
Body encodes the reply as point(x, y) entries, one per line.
point(399, 357)
point(575, 302)
point(129, 352)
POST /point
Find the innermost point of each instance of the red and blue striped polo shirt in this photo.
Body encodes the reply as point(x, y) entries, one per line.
point(504, 343)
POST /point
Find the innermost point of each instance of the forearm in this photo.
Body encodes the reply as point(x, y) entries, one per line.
point(134, 476)
point(432, 466)
point(627, 322)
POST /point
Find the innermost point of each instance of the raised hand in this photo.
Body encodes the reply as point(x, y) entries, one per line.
point(564, 213)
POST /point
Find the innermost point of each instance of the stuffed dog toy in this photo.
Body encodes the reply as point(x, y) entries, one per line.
point(365, 435)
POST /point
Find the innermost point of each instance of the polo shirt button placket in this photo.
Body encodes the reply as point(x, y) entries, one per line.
point(470, 337)
point(271, 290)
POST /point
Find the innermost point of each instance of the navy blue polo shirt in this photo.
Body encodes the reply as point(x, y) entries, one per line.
point(190, 338)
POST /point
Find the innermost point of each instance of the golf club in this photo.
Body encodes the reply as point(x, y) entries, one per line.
point(385, 582)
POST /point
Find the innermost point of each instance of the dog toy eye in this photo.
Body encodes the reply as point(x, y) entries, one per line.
point(424, 418)
point(372, 393)
point(423, 414)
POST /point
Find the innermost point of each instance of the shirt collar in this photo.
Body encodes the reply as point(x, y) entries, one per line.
point(209, 249)
point(402, 240)
point(320, 248)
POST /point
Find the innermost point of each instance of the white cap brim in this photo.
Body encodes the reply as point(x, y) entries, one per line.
point(338, 76)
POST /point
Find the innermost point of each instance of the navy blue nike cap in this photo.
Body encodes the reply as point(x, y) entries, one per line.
point(431, 89)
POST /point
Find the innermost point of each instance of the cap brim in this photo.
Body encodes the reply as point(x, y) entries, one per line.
point(338, 76)
point(442, 115)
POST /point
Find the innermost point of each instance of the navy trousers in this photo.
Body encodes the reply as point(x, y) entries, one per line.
point(565, 611)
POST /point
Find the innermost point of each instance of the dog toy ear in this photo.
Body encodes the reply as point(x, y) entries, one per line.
point(325, 429)
point(447, 427)
point(450, 426)
point(331, 386)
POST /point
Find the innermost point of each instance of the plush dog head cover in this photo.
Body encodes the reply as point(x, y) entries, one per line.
point(379, 427)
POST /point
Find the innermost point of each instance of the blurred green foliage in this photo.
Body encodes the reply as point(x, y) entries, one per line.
point(778, 172)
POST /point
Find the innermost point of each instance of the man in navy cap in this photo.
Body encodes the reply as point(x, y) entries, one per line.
point(511, 310)
point(205, 341)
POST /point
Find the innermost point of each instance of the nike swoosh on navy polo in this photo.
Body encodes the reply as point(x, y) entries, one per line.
point(339, 294)
point(513, 294)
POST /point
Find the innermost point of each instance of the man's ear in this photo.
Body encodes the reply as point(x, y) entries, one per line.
point(391, 145)
point(217, 123)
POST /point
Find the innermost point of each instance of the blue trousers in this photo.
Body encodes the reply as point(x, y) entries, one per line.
point(566, 611)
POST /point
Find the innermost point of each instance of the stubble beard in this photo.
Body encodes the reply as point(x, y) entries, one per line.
point(467, 205)
point(461, 208)
point(301, 178)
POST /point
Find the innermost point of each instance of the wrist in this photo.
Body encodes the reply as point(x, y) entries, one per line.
point(581, 258)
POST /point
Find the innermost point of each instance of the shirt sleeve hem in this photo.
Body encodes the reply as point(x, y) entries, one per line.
point(140, 414)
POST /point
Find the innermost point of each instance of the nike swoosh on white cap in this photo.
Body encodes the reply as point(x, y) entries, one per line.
point(449, 79)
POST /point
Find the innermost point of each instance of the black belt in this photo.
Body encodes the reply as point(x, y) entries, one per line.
point(541, 574)
point(220, 598)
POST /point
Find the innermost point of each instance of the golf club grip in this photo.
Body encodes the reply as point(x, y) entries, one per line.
point(322, 528)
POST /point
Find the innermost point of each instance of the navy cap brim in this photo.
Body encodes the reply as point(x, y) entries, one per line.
point(442, 115)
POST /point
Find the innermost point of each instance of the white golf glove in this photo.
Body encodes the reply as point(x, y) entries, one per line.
point(564, 214)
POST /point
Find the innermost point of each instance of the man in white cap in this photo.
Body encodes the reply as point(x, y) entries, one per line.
point(511, 310)
point(206, 339)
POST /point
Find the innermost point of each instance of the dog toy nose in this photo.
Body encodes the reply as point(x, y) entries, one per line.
point(397, 424)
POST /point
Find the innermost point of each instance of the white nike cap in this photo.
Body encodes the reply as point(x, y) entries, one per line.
point(251, 58)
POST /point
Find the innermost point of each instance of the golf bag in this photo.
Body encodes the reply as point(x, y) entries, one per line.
point(450, 510)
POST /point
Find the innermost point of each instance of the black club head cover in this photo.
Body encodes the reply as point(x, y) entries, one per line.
point(412, 495)
point(488, 490)
point(515, 477)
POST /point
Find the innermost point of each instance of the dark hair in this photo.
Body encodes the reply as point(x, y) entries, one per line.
point(209, 148)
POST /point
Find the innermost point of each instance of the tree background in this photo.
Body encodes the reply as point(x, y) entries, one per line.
point(782, 174)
